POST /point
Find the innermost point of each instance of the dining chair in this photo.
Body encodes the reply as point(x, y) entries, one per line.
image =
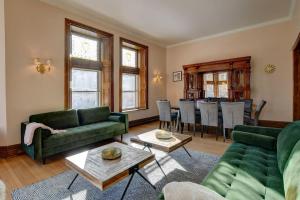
point(233, 114)
point(258, 110)
point(165, 114)
point(248, 111)
point(187, 114)
point(209, 116)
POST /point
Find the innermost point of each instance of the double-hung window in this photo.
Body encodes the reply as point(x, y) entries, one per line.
point(86, 49)
point(133, 75)
point(85, 90)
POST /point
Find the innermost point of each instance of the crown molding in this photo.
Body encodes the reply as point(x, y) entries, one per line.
point(107, 23)
point(114, 25)
point(267, 23)
point(277, 21)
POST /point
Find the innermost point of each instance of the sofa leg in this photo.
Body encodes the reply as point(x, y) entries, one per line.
point(121, 137)
point(43, 161)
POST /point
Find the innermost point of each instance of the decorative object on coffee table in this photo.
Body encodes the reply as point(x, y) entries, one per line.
point(111, 153)
point(163, 135)
point(105, 173)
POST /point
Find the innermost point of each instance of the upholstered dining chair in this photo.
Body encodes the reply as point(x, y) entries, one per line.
point(165, 114)
point(209, 116)
point(233, 114)
point(187, 114)
point(258, 110)
point(254, 121)
point(247, 111)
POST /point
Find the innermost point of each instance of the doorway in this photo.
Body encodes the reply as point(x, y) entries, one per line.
point(296, 56)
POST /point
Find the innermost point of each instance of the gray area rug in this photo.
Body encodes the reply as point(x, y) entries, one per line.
point(177, 165)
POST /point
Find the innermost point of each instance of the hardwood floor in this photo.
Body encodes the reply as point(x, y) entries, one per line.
point(20, 171)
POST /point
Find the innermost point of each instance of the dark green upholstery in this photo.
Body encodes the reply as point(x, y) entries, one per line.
point(250, 168)
point(93, 115)
point(105, 125)
point(291, 174)
point(272, 132)
point(286, 142)
point(259, 140)
point(57, 120)
point(246, 172)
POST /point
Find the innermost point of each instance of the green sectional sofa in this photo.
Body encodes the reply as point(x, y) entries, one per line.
point(83, 127)
point(262, 163)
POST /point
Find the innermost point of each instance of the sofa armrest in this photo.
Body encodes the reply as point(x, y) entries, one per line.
point(267, 131)
point(260, 140)
point(35, 149)
point(123, 117)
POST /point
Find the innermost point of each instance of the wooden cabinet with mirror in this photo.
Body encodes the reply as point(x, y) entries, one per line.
point(223, 79)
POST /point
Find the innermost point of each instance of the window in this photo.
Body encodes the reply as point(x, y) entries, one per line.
point(130, 91)
point(85, 88)
point(84, 48)
point(133, 75)
point(88, 80)
point(215, 84)
point(129, 57)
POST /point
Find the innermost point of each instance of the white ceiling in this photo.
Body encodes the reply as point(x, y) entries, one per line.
point(171, 22)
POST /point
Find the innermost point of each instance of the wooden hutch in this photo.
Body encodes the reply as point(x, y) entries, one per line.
point(238, 74)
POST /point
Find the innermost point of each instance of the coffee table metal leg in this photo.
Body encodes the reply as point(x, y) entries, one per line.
point(160, 168)
point(123, 195)
point(186, 151)
point(72, 181)
point(136, 171)
point(146, 180)
point(147, 146)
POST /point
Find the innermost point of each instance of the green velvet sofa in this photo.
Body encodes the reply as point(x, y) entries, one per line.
point(83, 127)
point(262, 163)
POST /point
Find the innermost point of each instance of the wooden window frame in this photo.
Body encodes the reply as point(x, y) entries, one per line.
point(216, 82)
point(142, 96)
point(92, 65)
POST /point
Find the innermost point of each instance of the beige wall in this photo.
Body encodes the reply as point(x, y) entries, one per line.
point(296, 15)
point(35, 29)
point(2, 77)
point(267, 45)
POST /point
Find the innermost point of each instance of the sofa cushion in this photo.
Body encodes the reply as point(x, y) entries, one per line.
point(246, 172)
point(107, 129)
point(291, 174)
point(286, 141)
point(93, 115)
point(57, 120)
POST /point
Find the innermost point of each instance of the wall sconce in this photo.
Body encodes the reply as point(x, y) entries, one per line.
point(42, 67)
point(157, 77)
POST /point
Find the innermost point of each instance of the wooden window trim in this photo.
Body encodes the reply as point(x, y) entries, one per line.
point(215, 82)
point(93, 65)
point(134, 70)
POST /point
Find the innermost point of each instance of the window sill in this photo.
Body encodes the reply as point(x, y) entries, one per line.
point(133, 110)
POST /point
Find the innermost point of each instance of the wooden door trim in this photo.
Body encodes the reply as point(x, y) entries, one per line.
point(296, 79)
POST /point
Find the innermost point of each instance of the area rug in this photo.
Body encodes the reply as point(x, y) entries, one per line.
point(177, 165)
